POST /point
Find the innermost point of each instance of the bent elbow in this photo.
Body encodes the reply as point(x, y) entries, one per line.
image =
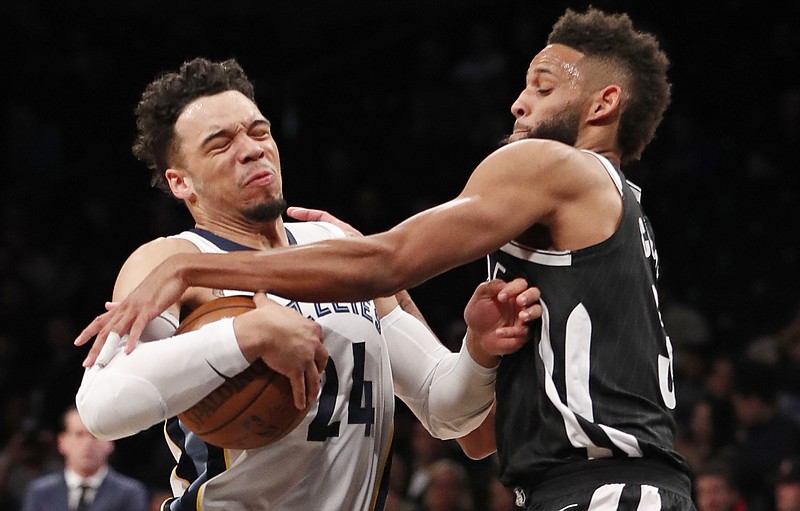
point(454, 426)
point(475, 451)
point(111, 410)
point(94, 413)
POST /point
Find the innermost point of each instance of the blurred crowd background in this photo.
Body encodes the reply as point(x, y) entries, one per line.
point(381, 109)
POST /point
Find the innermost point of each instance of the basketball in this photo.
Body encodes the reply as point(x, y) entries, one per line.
point(252, 409)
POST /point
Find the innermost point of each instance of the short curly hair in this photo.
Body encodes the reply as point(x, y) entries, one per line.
point(164, 99)
point(612, 38)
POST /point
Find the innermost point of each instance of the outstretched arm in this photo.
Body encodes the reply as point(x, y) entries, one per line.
point(508, 192)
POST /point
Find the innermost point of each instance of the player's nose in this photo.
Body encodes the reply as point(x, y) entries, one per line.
point(250, 150)
point(519, 108)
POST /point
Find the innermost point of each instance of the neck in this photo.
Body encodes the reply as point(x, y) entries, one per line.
point(598, 141)
point(87, 472)
point(263, 236)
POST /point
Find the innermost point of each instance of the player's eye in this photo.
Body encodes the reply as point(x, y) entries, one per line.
point(220, 144)
point(260, 133)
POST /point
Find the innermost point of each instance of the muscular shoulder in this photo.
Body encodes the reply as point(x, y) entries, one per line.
point(549, 163)
point(567, 190)
point(142, 261)
point(533, 178)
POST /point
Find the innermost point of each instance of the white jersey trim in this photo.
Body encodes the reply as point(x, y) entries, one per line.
point(544, 257)
point(612, 171)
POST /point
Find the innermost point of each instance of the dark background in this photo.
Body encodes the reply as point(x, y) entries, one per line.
point(379, 109)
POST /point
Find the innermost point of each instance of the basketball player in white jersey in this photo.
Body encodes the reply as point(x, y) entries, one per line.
point(584, 410)
point(201, 125)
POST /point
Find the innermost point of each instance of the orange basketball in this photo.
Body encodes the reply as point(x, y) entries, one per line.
point(249, 410)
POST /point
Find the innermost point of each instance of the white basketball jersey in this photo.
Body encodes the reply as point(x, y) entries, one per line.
point(338, 457)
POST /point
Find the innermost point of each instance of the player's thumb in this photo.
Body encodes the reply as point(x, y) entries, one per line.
point(488, 289)
point(262, 300)
point(303, 214)
point(505, 346)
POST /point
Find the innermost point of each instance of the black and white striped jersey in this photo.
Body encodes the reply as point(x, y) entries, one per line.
point(595, 380)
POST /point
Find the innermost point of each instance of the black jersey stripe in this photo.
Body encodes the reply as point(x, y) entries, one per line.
point(198, 463)
point(185, 469)
point(231, 246)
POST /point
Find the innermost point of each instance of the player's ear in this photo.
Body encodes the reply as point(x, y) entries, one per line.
point(180, 183)
point(607, 104)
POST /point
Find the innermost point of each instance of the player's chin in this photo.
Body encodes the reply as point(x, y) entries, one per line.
point(265, 210)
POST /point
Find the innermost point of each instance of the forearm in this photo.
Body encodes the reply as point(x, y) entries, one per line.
point(480, 442)
point(350, 269)
point(342, 270)
point(448, 392)
point(157, 380)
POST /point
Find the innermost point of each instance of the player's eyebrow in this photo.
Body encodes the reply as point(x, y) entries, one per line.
point(214, 134)
point(542, 69)
point(260, 121)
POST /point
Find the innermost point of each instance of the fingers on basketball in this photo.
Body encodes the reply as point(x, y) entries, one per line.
point(249, 410)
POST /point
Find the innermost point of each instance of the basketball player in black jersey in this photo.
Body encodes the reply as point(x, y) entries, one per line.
point(584, 409)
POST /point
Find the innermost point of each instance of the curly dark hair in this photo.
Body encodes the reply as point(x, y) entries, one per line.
point(611, 38)
point(164, 99)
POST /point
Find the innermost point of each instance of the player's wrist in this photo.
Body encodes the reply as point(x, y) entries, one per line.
point(177, 270)
point(478, 353)
point(249, 336)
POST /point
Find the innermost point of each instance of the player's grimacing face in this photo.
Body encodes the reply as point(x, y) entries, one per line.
point(550, 104)
point(228, 152)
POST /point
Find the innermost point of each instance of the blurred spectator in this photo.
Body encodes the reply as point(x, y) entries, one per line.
point(766, 435)
point(500, 497)
point(425, 451)
point(709, 433)
point(29, 454)
point(789, 400)
point(721, 376)
point(691, 370)
point(689, 332)
point(448, 488)
point(61, 370)
point(87, 482)
point(763, 350)
point(398, 481)
point(787, 488)
point(715, 489)
point(687, 326)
